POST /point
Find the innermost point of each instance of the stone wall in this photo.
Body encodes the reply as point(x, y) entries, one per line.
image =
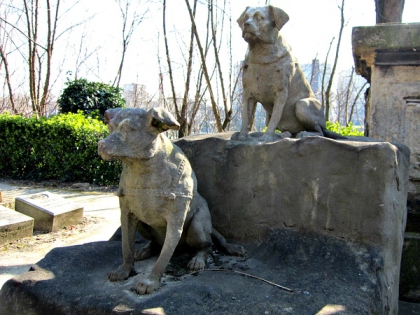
point(351, 190)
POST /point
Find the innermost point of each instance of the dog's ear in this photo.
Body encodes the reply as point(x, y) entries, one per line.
point(162, 119)
point(110, 113)
point(241, 19)
point(279, 16)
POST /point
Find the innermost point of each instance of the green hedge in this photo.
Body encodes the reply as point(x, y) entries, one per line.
point(62, 147)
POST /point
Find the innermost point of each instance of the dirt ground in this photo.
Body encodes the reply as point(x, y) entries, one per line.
point(98, 223)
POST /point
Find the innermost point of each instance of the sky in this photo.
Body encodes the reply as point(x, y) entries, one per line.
point(310, 29)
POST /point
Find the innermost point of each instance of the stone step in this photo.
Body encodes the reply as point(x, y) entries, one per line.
point(14, 225)
point(50, 211)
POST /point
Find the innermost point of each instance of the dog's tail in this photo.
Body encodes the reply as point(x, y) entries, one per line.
point(332, 135)
point(227, 248)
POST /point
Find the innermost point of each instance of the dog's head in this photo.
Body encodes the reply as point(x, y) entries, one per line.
point(133, 132)
point(261, 24)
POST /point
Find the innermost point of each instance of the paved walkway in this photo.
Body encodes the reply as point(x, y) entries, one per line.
point(99, 206)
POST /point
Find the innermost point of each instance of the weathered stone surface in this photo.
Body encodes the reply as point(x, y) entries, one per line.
point(410, 268)
point(14, 225)
point(272, 77)
point(368, 40)
point(352, 190)
point(51, 212)
point(324, 273)
point(388, 55)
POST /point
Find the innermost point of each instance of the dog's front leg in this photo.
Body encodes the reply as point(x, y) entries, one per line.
point(277, 112)
point(248, 114)
point(175, 225)
point(128, 231)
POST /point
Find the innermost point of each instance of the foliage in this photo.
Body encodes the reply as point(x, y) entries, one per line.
point(349, 130)
point(89, 97)
point(62, 147)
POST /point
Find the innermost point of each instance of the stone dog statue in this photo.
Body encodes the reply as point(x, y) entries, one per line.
point(272, 77)
point(158, 194)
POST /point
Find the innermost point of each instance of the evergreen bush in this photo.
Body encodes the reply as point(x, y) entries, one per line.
point(62, 147)
point(89, 97)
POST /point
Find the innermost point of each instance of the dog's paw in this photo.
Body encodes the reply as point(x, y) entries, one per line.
point(236, 250)
point(147, 286)
point(269, 137)
point(196, 263)
point(240, 136)
point(123, 272)
point(285, 134)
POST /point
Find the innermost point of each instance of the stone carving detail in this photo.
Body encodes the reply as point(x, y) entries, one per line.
point(158, 194)
point(272, 77)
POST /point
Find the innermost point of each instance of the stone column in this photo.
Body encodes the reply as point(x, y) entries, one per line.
point(388, 56)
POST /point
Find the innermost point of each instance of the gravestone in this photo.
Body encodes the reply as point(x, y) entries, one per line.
point(50, 211)
point(388, 56)
point(14, 225)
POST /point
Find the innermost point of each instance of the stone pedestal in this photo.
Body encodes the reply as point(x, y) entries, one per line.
point(51, 212)
point(345, 189)
point(388, 56)
point(14, 225)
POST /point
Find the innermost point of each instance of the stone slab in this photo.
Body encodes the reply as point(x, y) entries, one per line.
point(50, 211)
point(325, 274)
point(353, 190)
point(367, 41)
point(14, 225)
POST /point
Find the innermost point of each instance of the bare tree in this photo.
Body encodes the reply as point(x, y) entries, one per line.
point(388, 11)
point(39, 30)
point(334, 67)
point(4, 63)
point(215, 108)
point(132, 17)
point(349, 107)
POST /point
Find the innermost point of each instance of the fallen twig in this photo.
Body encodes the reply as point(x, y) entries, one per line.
point(247, 275)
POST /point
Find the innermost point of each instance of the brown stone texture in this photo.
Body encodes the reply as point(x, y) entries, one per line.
point(351, 190)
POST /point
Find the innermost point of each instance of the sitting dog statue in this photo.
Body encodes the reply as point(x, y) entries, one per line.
point(158, 194)
point(272, 77)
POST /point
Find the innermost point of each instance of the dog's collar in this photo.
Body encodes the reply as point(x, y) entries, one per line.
point(262, 63)
point(257, 62)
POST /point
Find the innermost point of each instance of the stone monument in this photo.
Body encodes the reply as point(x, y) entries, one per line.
point(273, 77)
point(158, 195)
point(388, 56)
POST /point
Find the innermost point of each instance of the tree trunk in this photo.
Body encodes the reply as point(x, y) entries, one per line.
point(206, 74)
point(389, 11)
point(9, 84)
point(328, 90)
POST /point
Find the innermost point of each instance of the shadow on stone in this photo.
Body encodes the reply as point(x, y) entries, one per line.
point(322, 272)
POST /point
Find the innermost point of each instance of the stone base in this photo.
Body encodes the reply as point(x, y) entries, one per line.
point(324, 273)
point(14, 225)
point(51, 212)
point(354, 190)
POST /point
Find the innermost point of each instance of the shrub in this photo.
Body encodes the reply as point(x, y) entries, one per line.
point(62, 147)
point(349, 130)
point(89, 97)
